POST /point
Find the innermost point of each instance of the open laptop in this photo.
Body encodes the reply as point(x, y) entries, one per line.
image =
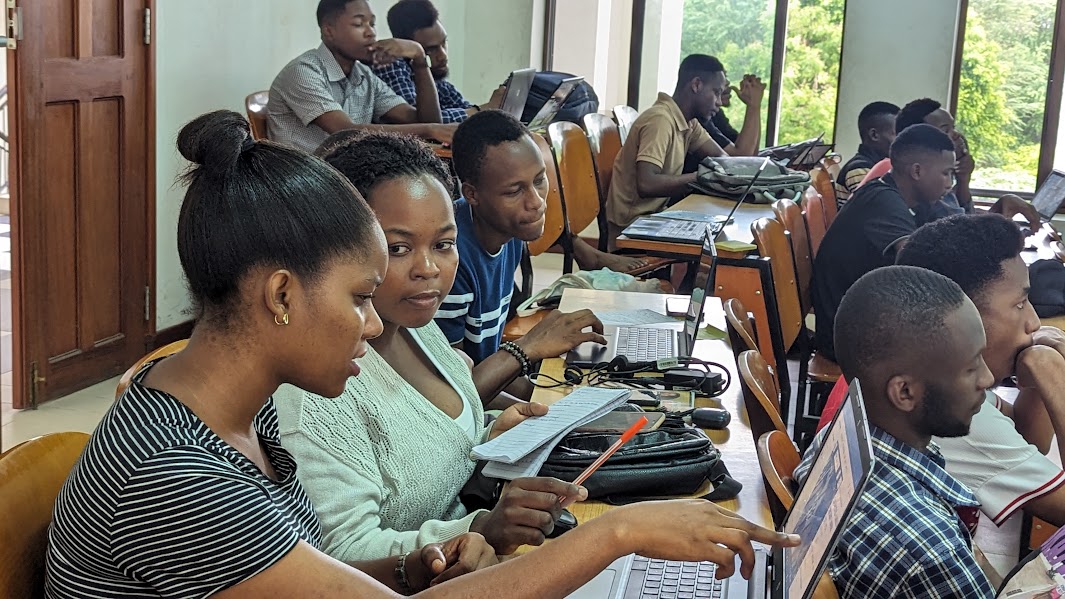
point(822, 508)
point(660, 227)
point(550, 108)
point(1049, 197)
point(788, 152)
point(810, 157)
point(647, 344)
point(517, 93)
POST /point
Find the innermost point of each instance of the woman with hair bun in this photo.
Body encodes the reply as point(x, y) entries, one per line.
point(184, 489)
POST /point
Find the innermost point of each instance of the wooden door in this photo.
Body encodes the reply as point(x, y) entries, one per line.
point(80, 194)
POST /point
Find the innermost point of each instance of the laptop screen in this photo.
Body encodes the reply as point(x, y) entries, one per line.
point(825, 500)
point(707, 263)
point(1050, 195)
point(554, 103)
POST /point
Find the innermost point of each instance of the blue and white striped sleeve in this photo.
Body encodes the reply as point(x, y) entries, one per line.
point(451, 317)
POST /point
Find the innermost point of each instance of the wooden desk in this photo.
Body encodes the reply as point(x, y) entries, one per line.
point(738, 230)
point(736, 443)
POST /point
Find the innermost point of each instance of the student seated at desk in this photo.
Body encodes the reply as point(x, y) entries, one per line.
point(648, 169)
point(419, 21)
point(959, 199)
point(867, 233)
point(332, 87)
point(876, 126)
point(384, 475)
point(504, 187)
point(735, 143)
point(184, 490)
point(915, 342)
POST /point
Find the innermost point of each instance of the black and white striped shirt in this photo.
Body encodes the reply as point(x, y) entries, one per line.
point(160, 506)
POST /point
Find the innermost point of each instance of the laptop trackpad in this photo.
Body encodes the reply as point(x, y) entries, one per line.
point(606, 585)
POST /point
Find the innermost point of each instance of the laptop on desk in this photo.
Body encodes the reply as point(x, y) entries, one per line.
point(1049, 197)
point(822, 508)
point(647, 344)
point(662, 228)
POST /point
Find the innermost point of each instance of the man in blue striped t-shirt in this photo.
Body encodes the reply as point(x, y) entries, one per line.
point(504, 184)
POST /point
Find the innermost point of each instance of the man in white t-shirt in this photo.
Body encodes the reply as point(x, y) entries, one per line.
point(1003, 458)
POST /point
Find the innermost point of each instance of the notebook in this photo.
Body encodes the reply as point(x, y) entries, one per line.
point(517, 93)
point(651, 343)
point(660, 227)
point(822, 507)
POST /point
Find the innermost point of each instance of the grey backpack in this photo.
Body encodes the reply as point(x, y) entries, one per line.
point(729, 175)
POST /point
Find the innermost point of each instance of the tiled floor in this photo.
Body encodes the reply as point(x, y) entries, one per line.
point(81, 411)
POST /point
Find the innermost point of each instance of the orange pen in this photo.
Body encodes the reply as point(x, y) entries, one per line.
point(625, 437)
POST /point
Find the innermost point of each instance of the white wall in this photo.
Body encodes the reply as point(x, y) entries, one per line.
point(210, 54)
point(894, 51)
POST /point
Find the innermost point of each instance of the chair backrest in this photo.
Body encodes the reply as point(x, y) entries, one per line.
point(760, 395)
point(738, 320)
point(625, 116)
point(772, 241)
point(833, 164)
point(576, 175)
point(813, 210)
point(823, 183)
point(162, 352)
point(31, 476)
point(790, 215)
point(778, 459)
point(554, 217)
point(605, 141)
point(255, 104)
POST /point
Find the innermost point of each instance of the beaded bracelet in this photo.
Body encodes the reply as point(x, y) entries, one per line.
point(401, 575)
point(519, 354)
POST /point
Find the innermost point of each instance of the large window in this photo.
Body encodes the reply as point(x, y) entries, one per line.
point(1002, 89)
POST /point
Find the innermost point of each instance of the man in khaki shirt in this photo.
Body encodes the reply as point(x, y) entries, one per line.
point(647, 171)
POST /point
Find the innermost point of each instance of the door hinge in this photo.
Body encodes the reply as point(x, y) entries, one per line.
point(35, 380)
point(147, 26)
point(12, 24)
point(147, 303)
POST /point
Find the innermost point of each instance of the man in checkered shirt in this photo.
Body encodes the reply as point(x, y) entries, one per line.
point(419, 21)
point(333, 88)
point(915, 342)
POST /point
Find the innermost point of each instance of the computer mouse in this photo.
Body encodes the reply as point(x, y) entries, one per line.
point(712, 418)
point(566, 522)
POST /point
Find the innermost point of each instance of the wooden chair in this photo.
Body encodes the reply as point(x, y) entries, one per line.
point(772, 241)
point(790, 215)
point(824, 185)
point(625, 116)
point(31, 476)
point(255, 104)
point(554, 228)
point(761, 396)
point(579, 191)
point(162, 352)
point(605, 141)
point(833, 163)
point(741, 329)
point(814, 213)
point(778, 459)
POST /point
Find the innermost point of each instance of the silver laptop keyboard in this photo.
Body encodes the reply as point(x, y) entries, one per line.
point(640, 344)
point(682, 229)
point(678, 580)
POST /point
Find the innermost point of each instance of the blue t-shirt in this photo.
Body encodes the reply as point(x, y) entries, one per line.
point(475, 310)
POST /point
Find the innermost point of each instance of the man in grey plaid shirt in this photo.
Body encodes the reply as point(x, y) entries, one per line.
point(333, 88)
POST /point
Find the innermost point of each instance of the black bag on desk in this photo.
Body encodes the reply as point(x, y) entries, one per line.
point(672, 460)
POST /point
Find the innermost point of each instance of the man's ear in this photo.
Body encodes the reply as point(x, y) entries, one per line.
point(695, 85)
point(915, 171)
point(905, 393)
point(873, 134)
point(470, 193)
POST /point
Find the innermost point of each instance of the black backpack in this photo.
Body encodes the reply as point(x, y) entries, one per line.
point(580, 102)
point(1048, 288)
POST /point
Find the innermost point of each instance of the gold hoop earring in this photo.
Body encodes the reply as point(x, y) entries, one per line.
point(282, 321)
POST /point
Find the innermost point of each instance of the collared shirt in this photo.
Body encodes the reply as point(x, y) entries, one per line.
point(314, 84)
point(905, 538)
point(659, 136)
point(853, 172)
point(400, 77)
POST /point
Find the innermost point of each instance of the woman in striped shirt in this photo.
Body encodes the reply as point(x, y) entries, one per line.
point(184, 489)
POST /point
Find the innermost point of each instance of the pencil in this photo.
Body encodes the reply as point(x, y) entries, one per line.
point(625, 437)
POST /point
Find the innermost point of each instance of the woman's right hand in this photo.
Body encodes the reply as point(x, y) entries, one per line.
point(558, 332)
point(526, 512)
point(693, 530)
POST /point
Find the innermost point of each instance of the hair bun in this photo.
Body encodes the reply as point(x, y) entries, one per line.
point(214, 140)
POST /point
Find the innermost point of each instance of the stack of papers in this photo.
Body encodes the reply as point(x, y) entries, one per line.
point(522, 450)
